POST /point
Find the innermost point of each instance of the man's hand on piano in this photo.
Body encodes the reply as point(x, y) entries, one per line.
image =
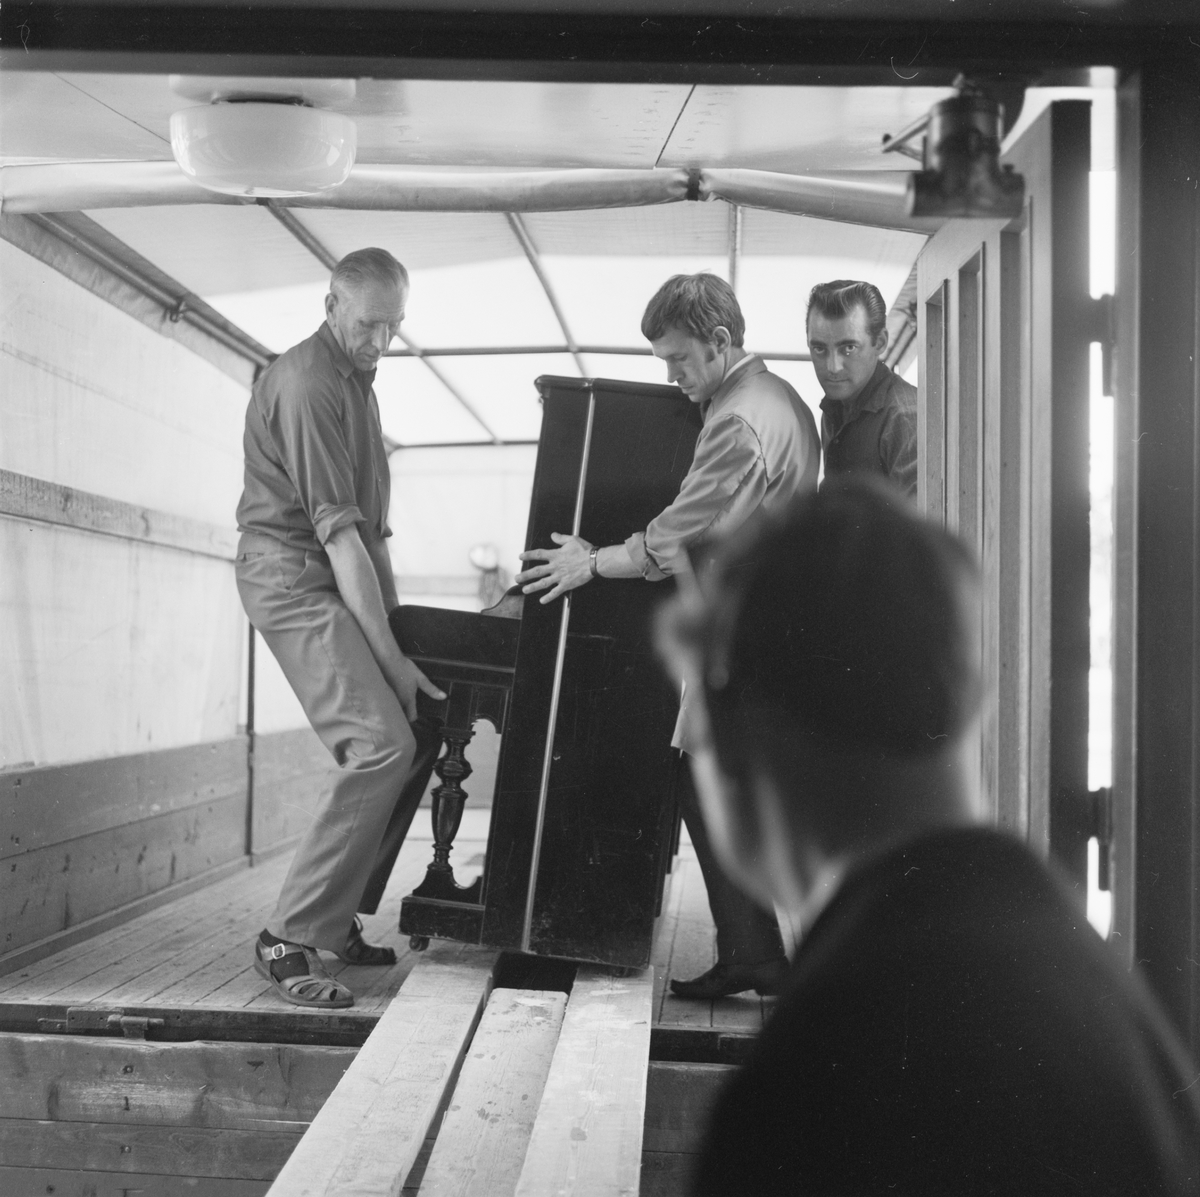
point(565, 568)
point(406, 681)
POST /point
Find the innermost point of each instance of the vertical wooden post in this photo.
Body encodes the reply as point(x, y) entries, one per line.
point(1156, 771)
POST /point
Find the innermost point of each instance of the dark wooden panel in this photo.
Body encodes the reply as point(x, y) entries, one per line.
point(236, 1086)
point(186, 1151)
point(291, 771)
point(1157, 766)
point(56, 803)
point(679, 1102)
point(514, 810)
point(49, 889)
point(610, 807)
point(38, 1182)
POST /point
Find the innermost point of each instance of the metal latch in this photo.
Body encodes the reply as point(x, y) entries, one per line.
point(1101, 820)
point(99, 1020)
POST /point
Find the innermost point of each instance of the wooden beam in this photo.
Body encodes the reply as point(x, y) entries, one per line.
point(366, 1138)
point(54, 803)
point(237, 1086)
point(70, 1182)
point(48, 502)
point(587, 1140)
point(188, 1151)
point(480, 1147)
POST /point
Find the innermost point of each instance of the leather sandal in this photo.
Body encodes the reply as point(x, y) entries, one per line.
point(315, 988)
point(358, 951)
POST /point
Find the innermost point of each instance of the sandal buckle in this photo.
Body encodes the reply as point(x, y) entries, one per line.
point(277, 951)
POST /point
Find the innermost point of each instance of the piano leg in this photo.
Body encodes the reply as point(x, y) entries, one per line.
point(448, 800)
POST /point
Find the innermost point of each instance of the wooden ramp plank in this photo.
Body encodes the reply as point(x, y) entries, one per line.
point(587, 1139)
point(367, 1135)
point(481, 1145)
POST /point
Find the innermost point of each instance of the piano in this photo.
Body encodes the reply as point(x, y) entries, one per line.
point(584, 820)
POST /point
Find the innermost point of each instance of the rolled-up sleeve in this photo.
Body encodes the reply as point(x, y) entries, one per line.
point(312, 446)
point(725, 484)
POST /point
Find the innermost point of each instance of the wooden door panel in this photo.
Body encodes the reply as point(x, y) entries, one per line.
point(1002, 312)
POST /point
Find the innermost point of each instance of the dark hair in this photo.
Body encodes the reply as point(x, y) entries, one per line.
point(698, 304)
point(839, 298)
point(847, 617)
point(368, 266)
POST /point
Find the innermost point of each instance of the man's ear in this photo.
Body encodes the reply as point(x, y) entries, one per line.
point(330, 304)
point(722, 338)
point(881, 342)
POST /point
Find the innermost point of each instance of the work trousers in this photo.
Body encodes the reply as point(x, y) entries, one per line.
point(291, 598)
point(746, 933)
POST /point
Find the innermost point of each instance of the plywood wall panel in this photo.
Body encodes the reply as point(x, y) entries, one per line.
point(51, 889)
point(108, 646)
point(92, 398)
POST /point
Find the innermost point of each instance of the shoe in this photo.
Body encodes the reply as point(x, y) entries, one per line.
point(316, 988)
point(358, 951)
point(765, 978)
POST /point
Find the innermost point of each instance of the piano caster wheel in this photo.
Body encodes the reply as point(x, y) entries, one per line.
point(418, 943)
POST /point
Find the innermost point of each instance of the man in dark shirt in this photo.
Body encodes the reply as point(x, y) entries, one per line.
point(316, 580)
point(950, 1024)
point(869, 413)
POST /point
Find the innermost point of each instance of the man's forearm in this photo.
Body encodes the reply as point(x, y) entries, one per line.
point(381, 559)
point(614, 561)
point(358, 582)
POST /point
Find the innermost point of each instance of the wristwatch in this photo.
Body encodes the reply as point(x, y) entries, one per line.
point(592, 562)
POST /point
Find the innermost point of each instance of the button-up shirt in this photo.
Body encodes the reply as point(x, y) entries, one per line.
point(875, 432)
point(758, 447)
point(315, 458)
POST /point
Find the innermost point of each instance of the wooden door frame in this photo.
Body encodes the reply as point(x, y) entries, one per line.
point(1013, 464)
point(1156, 515)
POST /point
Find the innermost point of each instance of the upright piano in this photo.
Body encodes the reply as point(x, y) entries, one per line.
point(583, 823)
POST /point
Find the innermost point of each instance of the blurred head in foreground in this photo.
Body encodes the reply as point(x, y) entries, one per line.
point(832, 650)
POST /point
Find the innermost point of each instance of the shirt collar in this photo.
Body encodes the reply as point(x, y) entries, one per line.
point(872, 397)
point(337, 356)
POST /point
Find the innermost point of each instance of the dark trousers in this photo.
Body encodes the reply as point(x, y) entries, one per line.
point(746, 933)
point(429, 744)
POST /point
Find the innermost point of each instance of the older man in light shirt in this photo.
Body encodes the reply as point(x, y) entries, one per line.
point(758, 449)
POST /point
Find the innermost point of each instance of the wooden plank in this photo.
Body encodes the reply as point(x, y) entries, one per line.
point(50, 889)
point(49, 805)
point(367, 1136)
point(481, 1145)
point(105, 1147)
point(51, 503)
point(232, 1085)
point(19, 960)
point(679, 1102)
point(38, 1182)
point(45, 978)
point(587, 1139)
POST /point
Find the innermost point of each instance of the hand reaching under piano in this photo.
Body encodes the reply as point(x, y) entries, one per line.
point(571, 565)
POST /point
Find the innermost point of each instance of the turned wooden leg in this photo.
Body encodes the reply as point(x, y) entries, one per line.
point(448, 800)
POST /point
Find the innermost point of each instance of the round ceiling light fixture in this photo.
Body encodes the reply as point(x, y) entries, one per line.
point(263, 138)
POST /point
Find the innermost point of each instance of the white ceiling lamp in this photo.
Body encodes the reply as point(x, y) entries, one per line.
point(264, 138)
